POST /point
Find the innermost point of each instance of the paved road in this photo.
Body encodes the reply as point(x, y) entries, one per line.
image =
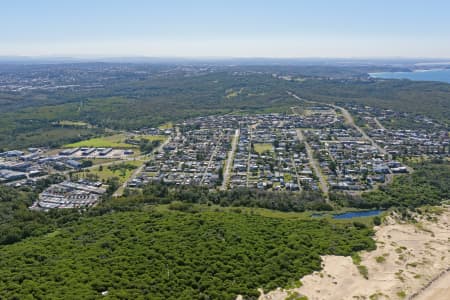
point(136, 172)
point(379, 124)
point(250, 150)
point(351, 122)
point(296, 173)
point(348, 119)
point(213, 154)
point(314, 164)
point(226, 172)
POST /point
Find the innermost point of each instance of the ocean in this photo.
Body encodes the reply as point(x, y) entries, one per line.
point(442, 75)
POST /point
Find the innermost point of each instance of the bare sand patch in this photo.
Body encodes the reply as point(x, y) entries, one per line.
point(437, 290)
point(411, 262)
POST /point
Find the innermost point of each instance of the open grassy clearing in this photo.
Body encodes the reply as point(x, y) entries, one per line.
point(114, 170)
point(231, 93)
point(115, 141)
point(100, 161)
point(72, 123)
point(261, 148)
point(150, 137)
point(112, 141)
point(168, 125)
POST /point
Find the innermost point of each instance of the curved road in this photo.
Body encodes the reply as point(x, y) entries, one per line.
point(348, 119)
point(120, 190)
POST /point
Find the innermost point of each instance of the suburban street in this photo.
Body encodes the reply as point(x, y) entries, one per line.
point(229, 164)
point(213, 155)
point(314, 164)
point(348, 119)
point(379, 124)
point(136, 172)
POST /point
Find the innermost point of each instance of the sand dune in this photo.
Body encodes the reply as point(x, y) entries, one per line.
point(411, 262)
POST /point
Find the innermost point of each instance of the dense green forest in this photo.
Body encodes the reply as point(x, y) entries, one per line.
point(157, 193)
point(17, 222)
point(417, 97)
point(172, 255)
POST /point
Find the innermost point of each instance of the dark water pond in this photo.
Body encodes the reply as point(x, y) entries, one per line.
point(358, 214)
point(353, 214)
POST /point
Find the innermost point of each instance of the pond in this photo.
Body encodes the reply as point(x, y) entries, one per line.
point(350, 215)
point(358, 214)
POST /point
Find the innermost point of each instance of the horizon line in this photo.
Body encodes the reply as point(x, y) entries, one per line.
point(212, 57)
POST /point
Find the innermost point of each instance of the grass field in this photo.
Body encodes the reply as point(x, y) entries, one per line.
point(151, 137)
point(261, 148)
point(233, 93)
point(104, 173)
point(287, 177)
point(100, 161)
point(114, 141)
point(168, 125)
point(73, 123)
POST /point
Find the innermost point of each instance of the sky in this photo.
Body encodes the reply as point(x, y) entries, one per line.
point(227, 28)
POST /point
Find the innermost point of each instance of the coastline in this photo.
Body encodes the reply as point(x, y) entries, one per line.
point(436, 74)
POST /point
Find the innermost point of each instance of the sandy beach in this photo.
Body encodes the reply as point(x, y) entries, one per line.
point(411, 261)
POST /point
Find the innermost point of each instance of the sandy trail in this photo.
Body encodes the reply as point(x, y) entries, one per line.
point(411, 262)
point(439, 289)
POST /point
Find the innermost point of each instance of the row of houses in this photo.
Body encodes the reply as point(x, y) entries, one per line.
point(195, 155)
point(349, 161)
point(270, 156)
point(420, 136)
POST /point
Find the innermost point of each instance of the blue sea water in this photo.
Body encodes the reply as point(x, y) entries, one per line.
point(421, 75)
point(358, 214)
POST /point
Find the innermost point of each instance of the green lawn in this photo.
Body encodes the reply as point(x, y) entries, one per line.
point(104, 173)
point(168, 125)
point(114, 141)
point(100, 161)
point(261, 148)
point(287, 177)
point(152, 137)
point(231, 93)
point(72, 123)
